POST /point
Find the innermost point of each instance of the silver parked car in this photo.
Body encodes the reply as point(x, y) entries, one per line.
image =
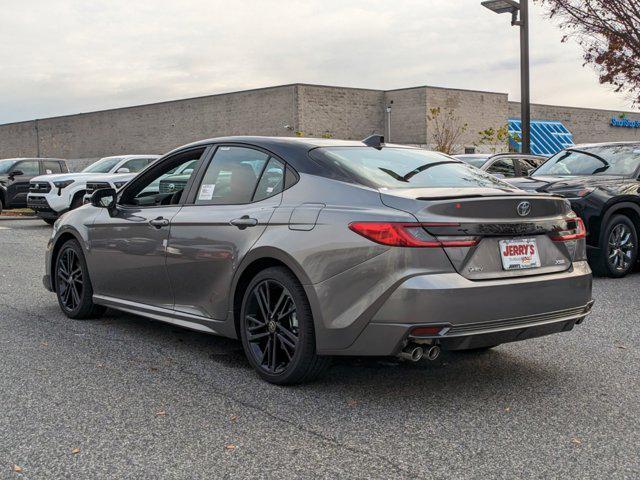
point(306, 249)
point(504, 165)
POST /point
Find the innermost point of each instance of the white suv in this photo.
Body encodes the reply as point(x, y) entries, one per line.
point(52, 195)
point(119, 180)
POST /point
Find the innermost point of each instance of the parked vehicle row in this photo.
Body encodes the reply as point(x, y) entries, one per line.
point(306, 249)
point(52, 195)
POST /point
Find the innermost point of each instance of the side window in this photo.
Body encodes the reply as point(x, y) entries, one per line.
point(52, 167)
point(136, 164)
point(164, 184)
point(30, 169)
point(272, 181)
point(232, 176)
point(503, 166)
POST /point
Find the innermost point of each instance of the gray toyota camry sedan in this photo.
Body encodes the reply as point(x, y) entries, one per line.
point(306, 249)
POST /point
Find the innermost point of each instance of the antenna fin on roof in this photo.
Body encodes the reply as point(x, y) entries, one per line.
point(375, 141)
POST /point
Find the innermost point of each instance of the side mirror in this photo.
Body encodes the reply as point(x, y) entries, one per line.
point(16, 173)
point(123, 170)
point(104, 198)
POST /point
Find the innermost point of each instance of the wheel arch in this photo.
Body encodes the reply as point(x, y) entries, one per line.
point(60, 240)
point(78, 194)
point(628, 208)
point(258, 260)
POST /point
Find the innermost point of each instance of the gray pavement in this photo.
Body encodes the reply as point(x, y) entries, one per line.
point(138, 399)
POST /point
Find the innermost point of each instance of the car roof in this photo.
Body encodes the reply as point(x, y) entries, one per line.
point(292, 149)
point(129, 157)
point(42, 159)
point(603, 144)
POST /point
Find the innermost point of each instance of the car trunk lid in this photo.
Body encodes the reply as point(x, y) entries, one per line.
point(496, 218)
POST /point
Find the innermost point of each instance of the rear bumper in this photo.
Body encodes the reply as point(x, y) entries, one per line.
point(476, 313)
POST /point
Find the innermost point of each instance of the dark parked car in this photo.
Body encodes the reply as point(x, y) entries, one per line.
point(602, 183)
point(307, 248)
point(16, 173)
point(504, 165)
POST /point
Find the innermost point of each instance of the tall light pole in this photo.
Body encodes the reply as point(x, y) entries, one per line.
point(522, 7)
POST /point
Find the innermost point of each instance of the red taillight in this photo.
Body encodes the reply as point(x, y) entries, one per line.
point(405, 235)
point(425, 331)
point(575, 233)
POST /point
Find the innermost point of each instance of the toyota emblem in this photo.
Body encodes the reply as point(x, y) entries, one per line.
point(524, 209)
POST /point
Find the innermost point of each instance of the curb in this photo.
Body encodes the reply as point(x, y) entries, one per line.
point(21, 217)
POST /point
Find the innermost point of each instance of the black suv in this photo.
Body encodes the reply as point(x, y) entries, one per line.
point(602, 183)
point(15, 174)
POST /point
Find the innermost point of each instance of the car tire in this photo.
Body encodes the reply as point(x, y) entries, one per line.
point(618, 252)
point(276, 317)
point(72, 283)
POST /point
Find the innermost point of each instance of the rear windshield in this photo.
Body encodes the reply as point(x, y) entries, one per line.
point(404, 168)
point(475, 161)
point(602, 160)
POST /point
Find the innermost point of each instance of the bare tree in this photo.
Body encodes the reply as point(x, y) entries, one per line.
point(447, 129)
point(609, 33)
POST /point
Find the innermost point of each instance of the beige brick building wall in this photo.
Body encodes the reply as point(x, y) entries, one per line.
point(588, 125)
point(349, 113)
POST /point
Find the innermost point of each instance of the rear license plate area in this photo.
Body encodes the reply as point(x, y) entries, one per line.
point(519, 254)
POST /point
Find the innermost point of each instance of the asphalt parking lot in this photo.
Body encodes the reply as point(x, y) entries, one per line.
point(125, 397)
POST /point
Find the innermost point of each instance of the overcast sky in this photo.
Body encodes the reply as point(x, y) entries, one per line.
point(66, 56)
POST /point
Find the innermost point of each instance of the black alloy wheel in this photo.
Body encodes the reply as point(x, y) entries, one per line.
point(272, 326)
point(69, 279)
point(620, 248)
point(72, 283)
point(277, 329)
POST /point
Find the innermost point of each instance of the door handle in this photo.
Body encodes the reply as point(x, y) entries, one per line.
point(159, 222)
point(244, 222)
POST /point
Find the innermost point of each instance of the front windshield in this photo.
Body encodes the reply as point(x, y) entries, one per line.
point(603, 160)
point(405, 168)
point(103, 166)
point(5, 165)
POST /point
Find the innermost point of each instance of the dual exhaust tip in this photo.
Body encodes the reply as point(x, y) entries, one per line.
point(414, 353)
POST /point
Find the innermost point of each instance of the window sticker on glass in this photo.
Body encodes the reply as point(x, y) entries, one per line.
point(206, 191)
point(49, 172)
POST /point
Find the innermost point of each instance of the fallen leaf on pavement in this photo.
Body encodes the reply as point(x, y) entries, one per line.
point(44, 344)
point(233, 418)
point(231, 446)
point(161, 413)
point(576, 441)
point(75, 450)
point(17, 469)
point(508, 409)
point(100, 365)
point(620, 346)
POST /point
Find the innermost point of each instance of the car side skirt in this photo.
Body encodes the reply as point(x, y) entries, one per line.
point(167, 315)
